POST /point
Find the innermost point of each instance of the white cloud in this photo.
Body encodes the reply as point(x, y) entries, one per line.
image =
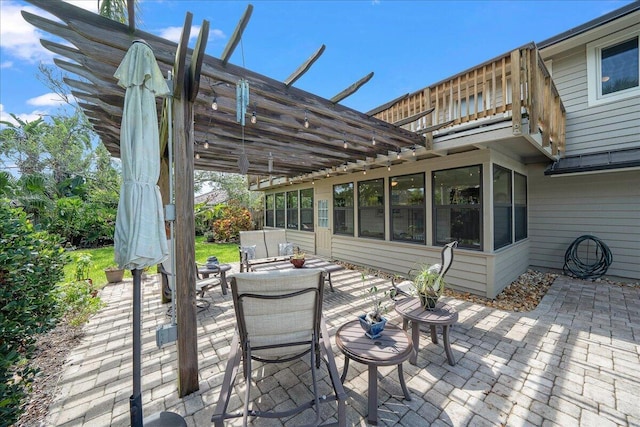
point(27, 117)
point(50, 99)
point(19, 38)
point(217, 34)
point(174, 33)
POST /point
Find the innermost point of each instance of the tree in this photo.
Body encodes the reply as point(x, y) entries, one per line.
point(235, 185)
point(20, 143)
point(116, 10)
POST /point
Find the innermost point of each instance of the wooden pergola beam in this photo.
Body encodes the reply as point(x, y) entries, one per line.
point(237, 36)
point(96, 46)
point(131, 14)
point(351, 89)
point(304, 67)
point(414, 117)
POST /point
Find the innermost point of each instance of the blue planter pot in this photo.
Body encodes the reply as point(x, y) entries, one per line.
point(372, 330)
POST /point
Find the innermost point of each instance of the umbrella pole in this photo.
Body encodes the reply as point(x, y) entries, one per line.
point(160, 419)
point(135, 401)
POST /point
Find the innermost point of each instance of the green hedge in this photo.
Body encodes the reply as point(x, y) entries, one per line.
point(31, 264)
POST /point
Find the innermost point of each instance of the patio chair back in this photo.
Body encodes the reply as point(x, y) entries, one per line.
point(279, 319)
point(278, 312)
point(403, 288)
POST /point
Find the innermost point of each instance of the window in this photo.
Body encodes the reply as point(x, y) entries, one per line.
point(407, 208)
point(268, 203)
point(280, 210)
point(371, 208)
point(306, 209)
point(323, 213)
point(292, 210)
point(343, 209)
point(457, 206)
point(509, 207)
point(520, 205)
point(502, 207)
point(464, 110)
point(613, 72)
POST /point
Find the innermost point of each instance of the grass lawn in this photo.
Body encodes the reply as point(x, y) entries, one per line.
point(103, 257)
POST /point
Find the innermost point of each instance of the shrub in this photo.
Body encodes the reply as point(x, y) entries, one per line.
point(83, 224)
point(83, 265)
point(79, 299)
point(234, 219)
point(205, 215)
point(31, 263)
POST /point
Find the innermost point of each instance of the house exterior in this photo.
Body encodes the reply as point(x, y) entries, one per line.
point(523, 154)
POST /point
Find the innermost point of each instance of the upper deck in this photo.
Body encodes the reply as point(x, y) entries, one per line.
point(484, 95)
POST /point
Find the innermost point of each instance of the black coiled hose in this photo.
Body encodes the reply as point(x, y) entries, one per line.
point(583, 269)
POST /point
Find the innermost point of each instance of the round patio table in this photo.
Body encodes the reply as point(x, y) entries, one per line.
point(219, 269)
point(443, 315)
point(392, 348)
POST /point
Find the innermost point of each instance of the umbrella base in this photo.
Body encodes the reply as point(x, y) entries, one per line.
point(165, 419)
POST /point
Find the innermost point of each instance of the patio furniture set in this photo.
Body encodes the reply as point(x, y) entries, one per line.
point(279, 318)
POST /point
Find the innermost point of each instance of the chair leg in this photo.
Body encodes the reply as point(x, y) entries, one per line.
point(338, 388)
point(314, 379)
point(247, 391)
point(227, 383)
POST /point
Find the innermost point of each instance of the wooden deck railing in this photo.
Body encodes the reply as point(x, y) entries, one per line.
point(487, 91)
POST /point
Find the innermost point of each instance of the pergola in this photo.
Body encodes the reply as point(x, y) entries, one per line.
point(297, 136)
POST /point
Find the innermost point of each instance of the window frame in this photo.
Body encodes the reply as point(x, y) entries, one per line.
point(594, 68)
point(280, 211)
point(269, 210)
point(411, 209)
point(508, 203)
point(377, 209)
point(304, 194)
point(344, 209)
point(292, 211)
point(479, 207)
point(516, 205)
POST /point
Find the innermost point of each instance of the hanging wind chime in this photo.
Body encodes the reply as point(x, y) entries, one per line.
point(242, 102)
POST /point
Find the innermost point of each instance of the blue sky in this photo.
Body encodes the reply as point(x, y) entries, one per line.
point(408, 44)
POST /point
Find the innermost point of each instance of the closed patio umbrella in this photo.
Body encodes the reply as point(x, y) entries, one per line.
point(140, 239)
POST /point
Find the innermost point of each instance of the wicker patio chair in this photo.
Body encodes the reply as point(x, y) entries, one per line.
point(403, 288)
point(279, 319)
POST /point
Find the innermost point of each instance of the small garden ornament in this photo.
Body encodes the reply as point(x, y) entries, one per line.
point(373, 321)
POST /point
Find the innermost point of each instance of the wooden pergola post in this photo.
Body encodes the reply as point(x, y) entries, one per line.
point(185, 89)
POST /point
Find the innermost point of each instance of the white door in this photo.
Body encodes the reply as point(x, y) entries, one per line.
point(323, 224)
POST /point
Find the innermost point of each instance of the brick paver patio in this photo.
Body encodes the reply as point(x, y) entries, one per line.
point(573, 361)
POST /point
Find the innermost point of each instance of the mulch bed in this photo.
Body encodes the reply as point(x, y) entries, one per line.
point(52, 350)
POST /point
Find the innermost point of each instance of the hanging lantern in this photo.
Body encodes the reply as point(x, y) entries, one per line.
point(243, 163)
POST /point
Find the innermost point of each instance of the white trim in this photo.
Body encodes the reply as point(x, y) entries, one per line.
point(594, 75)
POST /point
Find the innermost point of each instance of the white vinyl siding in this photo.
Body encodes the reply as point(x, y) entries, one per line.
point(609, 126)
point(510, 263)
point(468, 272)
point(304, 240)
point(564, 208)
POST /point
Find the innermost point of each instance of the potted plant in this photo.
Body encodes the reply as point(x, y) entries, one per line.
point(428, 285)
point(114, 274)
point(297, 259)
point(373, 321)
